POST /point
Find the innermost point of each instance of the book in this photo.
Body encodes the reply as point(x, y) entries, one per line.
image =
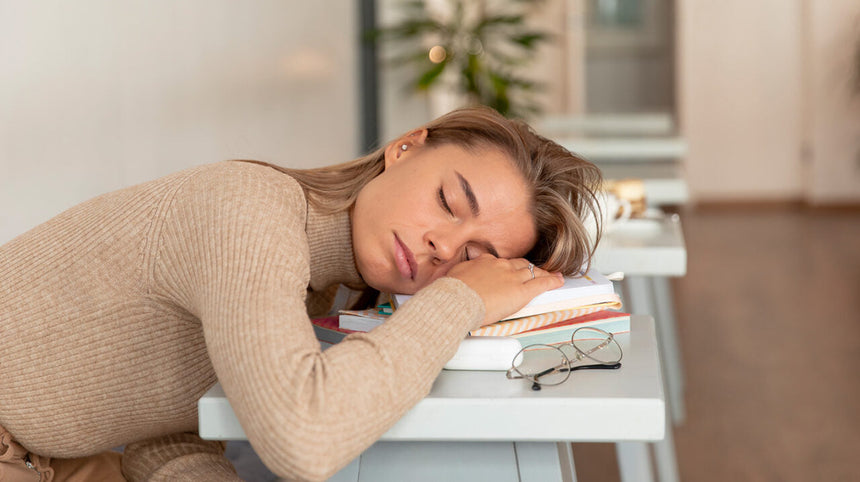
point(362, 320)
point(510, 327)
point(578, 291)
point(614, 322)
point(328, 329)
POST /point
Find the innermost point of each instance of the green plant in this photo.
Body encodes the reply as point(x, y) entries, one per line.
point(483, 46)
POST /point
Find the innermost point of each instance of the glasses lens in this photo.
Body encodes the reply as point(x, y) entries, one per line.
point(596, 345)
point(544, 364)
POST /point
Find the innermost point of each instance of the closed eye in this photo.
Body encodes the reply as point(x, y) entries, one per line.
point(444, 202)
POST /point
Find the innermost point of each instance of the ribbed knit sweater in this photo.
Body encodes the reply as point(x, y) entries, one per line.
point(118, 314)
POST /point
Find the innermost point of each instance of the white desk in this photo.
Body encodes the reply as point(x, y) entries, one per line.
point(616, 136)
point(597, 148)
point(616, 124)
point(466, 426)
point(627, 145)
point(644, 247)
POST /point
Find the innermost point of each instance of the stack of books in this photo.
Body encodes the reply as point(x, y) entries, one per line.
point(585, 300)
point(364, 320)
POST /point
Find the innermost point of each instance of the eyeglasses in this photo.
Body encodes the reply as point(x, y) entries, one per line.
point(548, 365)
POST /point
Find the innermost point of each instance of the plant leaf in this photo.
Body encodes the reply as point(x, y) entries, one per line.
point(529, 40)
point(428, 78)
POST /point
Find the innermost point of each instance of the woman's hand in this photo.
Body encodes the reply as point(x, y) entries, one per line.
point(505, 285)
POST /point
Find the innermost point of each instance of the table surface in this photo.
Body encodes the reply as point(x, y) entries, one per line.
point(597, 148)
point(644, 247)
point(607, 124)
point(637, 145)
point(598, 405)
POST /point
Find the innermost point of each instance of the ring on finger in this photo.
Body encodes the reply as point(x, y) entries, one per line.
point(532, 270)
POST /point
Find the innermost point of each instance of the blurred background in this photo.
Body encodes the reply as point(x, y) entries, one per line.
point(743, 117)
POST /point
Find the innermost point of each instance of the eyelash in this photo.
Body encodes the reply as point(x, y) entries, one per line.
point(444, 202)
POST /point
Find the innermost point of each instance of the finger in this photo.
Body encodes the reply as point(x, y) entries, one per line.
point(520, 263)
point(545, 282)
point(542, 272)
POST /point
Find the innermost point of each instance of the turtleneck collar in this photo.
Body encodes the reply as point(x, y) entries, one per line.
point(330, 242)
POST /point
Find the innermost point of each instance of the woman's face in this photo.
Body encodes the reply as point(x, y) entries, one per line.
point(434, 207)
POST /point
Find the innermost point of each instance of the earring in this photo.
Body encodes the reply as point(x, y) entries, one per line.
point(404, 147)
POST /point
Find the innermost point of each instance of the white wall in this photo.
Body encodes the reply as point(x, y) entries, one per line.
point(764, 99)
point(98, 94)
point(739, 93)
point(833, 106)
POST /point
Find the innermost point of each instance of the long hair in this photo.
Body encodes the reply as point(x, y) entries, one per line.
point(564, 185)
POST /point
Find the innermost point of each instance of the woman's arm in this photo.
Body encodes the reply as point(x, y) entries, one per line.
point(237, 258)
point(181, 456)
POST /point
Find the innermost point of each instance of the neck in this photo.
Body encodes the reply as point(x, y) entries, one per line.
point(330, 242)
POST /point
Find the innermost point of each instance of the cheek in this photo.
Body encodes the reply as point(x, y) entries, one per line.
point(364, 219)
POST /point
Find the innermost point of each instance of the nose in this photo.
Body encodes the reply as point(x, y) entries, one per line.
point(444, 245)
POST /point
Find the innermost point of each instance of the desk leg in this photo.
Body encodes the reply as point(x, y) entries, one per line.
point(641, 297)
point(652, 296)
point(634, 462)
point(671, 349)
point(540, 462)
point(565, 461)
point(664, 456)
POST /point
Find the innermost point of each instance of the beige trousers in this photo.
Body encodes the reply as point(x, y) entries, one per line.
point(18, 464)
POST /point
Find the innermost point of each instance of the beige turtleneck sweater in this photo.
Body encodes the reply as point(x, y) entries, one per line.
point(118, 314)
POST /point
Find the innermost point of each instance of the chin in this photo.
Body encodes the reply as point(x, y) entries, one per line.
point(389, 287)
point(385, 285)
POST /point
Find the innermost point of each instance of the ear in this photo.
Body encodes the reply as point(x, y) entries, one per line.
point(404, 146)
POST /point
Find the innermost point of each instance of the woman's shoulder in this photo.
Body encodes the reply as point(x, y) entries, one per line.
point(235, 181)
point(234, 189)
point(239, 173)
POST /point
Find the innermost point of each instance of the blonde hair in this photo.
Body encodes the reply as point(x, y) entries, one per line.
point(564, 185)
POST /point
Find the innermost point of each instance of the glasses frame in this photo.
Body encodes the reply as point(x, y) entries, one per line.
point(567, 365)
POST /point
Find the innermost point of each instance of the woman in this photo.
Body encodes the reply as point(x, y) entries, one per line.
point(124, 310)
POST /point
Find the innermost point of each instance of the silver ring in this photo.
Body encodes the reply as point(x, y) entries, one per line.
point(532, 270)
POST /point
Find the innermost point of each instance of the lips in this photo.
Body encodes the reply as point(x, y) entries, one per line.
point(404, 259)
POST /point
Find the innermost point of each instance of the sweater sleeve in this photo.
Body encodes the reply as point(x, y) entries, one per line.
point(181, 456)
point(238, 259)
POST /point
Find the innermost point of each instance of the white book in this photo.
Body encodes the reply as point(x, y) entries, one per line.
point(582, 290)
point(361, 320)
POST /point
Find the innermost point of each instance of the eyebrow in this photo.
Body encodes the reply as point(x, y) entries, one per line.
point(470, 195)
point(474, 207)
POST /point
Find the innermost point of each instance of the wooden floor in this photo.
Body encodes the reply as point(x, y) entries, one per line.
point(769, 323)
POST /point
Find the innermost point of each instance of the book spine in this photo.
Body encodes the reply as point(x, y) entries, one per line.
point(532, 309)
point(519, 325)
point(563, 336)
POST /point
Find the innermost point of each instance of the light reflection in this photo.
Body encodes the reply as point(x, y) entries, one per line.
point(437, 54)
